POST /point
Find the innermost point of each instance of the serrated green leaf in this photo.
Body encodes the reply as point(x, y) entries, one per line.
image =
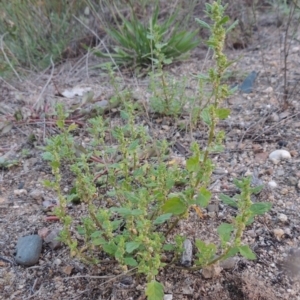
point(203, 197)
point(231, 252)
point(48, 183)
point(96, 234)
point(72, 127)
point(154, 290)
point(256, 189)
point(169, 247)
point(227, 200)
point(167, 61)
point(110, 248)
point(174, 206)
point(240, 183)
point(130, 261)
point(80, 230)
point(111, 193)
point(260, 208)
point(192, 164)
point(224, 20)
point(216, 148)
point(55, 164)
point(247, 252)
point(205, 116)
point(203, 24)
point(162, 219)
point(131, 246)
point(250, 221)
point(99, 241)
point(124, 115)
point(134, 145)
point(206, 251)
point(60, 124)
point(136, 212)
point(224, 231)
point(48, 156)
point(222, 113)
point(132, 197)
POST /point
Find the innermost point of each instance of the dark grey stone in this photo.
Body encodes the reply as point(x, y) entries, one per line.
point(186, 258)
point(28, 250)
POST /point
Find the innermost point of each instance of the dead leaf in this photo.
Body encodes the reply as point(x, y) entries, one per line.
point(67, 270)
point(198, 211)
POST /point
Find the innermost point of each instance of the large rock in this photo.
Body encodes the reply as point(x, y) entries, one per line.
point(28, 250)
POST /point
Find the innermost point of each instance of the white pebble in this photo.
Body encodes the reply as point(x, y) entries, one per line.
point(268, 90)
point(279, 155)
point(20, 192)
point(278, 232)
point(168, 297)
point(272, 184)
point(57, 261)
point(283, 218)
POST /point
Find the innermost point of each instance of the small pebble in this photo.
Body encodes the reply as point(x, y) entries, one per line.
point(28, 250)
point(278, 155)
point(283, 218)
point(280, 172)
point(213, 208)
point(220, 171)
point(251, 233)
point(211, 271)
point(52, 239)
point(288, 232)
point(21, 185)
point(274, 117)
point(272, 184)
point(282, 143)
point(294, 153)
point(229, 263)
point(292, 181)
point(20, 192)
point(284, 191)
point(57, 261)
point(36, 194)
point(268, 90)
point(168, 297)
point(278, 232)
point(186, 258)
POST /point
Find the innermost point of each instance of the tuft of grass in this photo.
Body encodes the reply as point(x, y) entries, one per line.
point(34, 32)
point(135, 41)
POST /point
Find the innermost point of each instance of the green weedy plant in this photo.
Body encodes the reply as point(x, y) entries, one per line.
point(168, 95)
point(135, 42)
point(134, 198)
